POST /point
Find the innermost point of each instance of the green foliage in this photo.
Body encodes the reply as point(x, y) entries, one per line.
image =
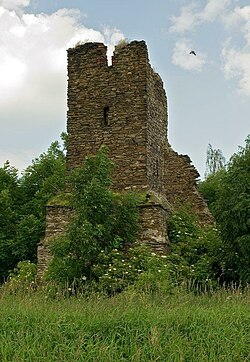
point(62, 199)
point(228, 195)
point(22, 205)
point(92, 250)
point(7, 262)
point(215, 161)
point(10, 200)
point(22, 278)
point(194, 249)
point(103, 220)
point(28, 231)
point(137, 267)
point(64, 268)
point(43, 179)
point(211, 189)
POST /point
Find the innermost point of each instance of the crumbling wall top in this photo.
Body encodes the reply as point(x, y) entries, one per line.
point(131, 51)
point(86, 47)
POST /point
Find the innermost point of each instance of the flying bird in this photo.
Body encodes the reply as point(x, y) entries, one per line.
point(192, 52)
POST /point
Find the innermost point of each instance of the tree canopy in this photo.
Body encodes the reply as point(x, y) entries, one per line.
point(105, 220)
point(228, 195)
point(22, 205)
point(215, 161)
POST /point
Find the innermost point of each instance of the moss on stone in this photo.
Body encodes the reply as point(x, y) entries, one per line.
point(64, 199)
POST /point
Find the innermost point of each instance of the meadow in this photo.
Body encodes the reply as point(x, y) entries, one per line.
point(130, 326)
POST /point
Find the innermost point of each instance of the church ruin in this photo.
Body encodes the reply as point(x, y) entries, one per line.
point(124, 106)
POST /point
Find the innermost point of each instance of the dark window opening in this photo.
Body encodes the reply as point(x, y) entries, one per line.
point(106, 116)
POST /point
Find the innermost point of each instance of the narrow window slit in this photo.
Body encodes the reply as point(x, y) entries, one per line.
point(106, 116)
point(157, 168)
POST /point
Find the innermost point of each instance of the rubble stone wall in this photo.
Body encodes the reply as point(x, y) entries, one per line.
point(57, 219)
point(180, 185)
point(153, 225)
point(152, 221)
point(157, 119)
point(124, 106)
point(107, 105)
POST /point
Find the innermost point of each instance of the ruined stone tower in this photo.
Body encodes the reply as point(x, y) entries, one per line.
point(124, 106)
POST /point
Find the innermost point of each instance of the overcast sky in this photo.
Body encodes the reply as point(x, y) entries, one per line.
point(208, 95)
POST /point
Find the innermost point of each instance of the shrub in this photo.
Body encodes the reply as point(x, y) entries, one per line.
point(195, 251)
point(138, 267)
point(22, 278)
point(227, 193)
point(104, 220)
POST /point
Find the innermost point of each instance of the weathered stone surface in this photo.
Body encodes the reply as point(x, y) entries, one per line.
point(124, 106)
point(57, 219)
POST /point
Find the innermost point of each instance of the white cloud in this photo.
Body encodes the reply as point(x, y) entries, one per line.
point(186, 20)
point(237, 65)
point(33, 51)
point(19, 160)
point(213, 10)
point(238, 19)
point(14, 4)
point(244, 16)
point(192, 16)
point(236, 60)
point(33, 63)
point(183, 59)
point(112, 37)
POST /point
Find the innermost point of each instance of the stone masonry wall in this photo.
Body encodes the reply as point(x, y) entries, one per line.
point(157, 130)
point(124, 107)
point(153, 224)
point(152, 220)
point(180, 185)
point(107, 105)
point(57, 219)
point(170, 175)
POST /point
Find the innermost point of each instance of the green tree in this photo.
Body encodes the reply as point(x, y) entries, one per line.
point(22, 205)
point(44, 178)
point(228, 195)
point(104, 220)
point(9, 215)
point(215, 161)
point(195, 250)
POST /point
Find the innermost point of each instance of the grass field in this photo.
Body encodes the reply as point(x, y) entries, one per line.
point(128, 327)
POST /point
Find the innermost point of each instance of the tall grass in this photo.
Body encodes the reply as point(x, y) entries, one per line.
point(131, 326)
